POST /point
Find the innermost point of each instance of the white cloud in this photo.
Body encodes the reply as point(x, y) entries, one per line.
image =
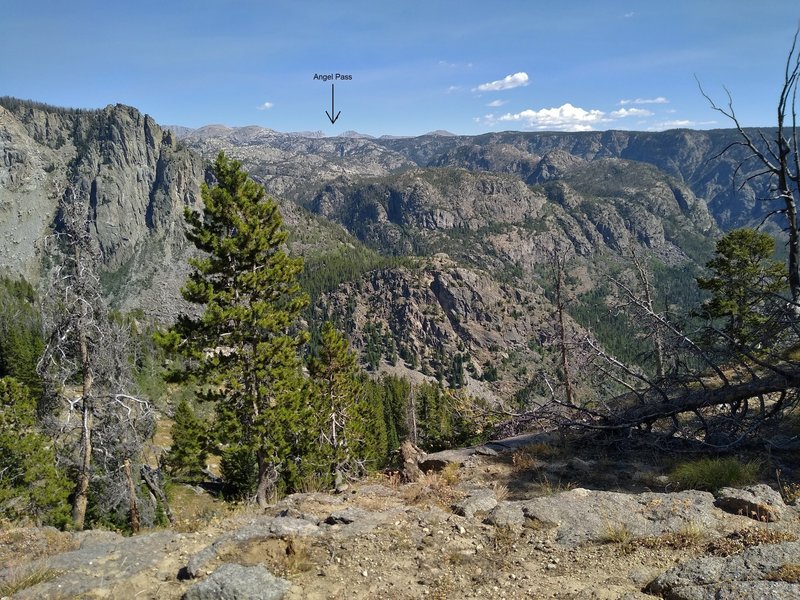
point(496, 103)
point(506, 83)
point(265, 106)
point(628, 15)
point(563, 118)
point(453, 88)
point(658, 100)
point(630, 112)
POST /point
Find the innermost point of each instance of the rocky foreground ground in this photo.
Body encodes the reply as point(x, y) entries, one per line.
point(488, 524)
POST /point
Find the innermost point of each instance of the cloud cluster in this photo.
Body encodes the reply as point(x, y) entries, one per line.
point(566, 117)
point(506, 83)
point(265, 106)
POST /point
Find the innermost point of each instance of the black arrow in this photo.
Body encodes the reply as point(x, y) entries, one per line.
point(332, 119)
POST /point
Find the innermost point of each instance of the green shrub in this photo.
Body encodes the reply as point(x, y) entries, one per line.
point(711, 474)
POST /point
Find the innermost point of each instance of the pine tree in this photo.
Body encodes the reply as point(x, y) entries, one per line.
point(30, 484)
point(187, 456)
point(21, 342)
point(347, 431)
point(745, 285)
point(244, 347)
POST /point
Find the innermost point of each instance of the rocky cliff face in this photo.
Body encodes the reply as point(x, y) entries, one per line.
point(438, 309)
point(132, 177)
point(605, 207)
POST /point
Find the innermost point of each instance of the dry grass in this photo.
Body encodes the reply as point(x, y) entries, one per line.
point(196, 509)
point(616, 534)
point(23, 544)
point(693, 531)
point(531, 458)
point(690, 535)
point(288, 556)
point(501, 492)
point(738, 541)
point(450, 474)
point(790, 573)
point(21, 578)
point(548, 487)
point(431, 488)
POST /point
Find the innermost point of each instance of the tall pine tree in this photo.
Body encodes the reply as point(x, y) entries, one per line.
point(244, 347)
point(350, 430)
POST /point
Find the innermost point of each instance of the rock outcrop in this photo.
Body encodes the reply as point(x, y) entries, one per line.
point(757, 573)
point(133, 178)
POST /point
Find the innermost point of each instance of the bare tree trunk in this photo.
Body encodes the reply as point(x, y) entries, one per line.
point(559, 260)
point(157, 489)
point(81, 497)
point(779, 160)
point(267, 476)
point(133, 511)
point(410, 455)
point(658, 340)
point(412, 417)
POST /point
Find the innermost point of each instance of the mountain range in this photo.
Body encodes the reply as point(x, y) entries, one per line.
point(423, 249)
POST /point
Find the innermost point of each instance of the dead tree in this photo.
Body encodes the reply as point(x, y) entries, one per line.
point(777, 161)
point(639, 300)
point(558, 264)
point(84, 365)
point(718, 395)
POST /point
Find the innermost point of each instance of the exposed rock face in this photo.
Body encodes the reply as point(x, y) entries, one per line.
point(758, 502)
point(429, 199)
point(389, 541)
point(441, 309)
point(605, 205)
point(239, 583)
point(752, 575)
point(639, 515)
point(132, 177)
point(691, 157)
point(103, 565)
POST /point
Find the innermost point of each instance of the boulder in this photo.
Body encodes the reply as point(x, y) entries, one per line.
point(478, 501)
point(235, 582)
point(582, 515)
point(506, 514)
point(758, 502)
point(752, 575)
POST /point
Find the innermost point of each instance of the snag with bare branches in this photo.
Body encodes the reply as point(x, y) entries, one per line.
point(86, 372)
point(777, 161)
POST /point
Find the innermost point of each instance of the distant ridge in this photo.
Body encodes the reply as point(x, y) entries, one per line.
point(440, 133)
point(356, 135)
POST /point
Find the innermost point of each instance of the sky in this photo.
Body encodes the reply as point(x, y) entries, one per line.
point(467, 67)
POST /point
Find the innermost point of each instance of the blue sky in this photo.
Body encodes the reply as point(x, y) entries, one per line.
point(467, 67)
